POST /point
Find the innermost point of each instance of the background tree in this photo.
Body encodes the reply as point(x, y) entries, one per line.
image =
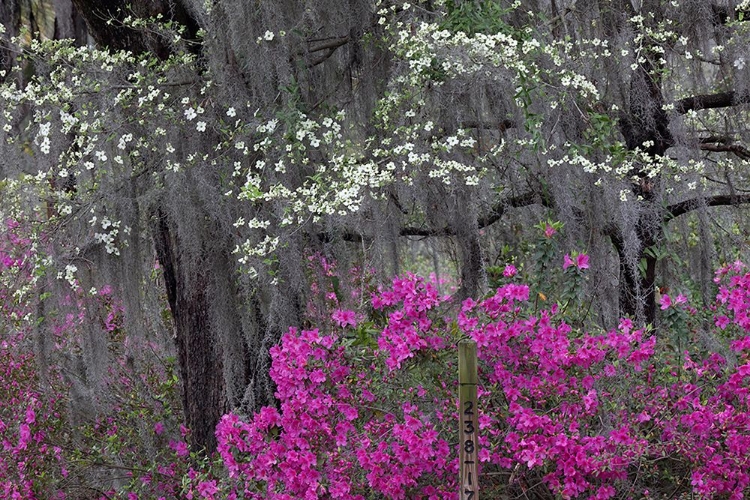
point(224, 142)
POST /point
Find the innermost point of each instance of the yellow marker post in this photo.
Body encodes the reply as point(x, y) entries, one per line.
point(467, 415)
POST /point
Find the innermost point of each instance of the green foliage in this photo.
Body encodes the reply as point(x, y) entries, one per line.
point(477, 16)
point(539, 262)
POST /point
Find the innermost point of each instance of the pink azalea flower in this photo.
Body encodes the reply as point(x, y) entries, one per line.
point(582, 261)
point(567, 261)
point(207, 489)
point(549, 231)
point(180, 447)
point(722, 322)
point(24, 436)
point(344, 317)
point(665, 302)
point(510, 271)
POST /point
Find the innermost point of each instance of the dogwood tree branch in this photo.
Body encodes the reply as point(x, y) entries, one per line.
point(711, 101)
point(681, 208)
point(495, 213)
point(737, 149)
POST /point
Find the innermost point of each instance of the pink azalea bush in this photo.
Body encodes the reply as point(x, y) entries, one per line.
point(367, 399)
point(335, 433)
point(43, 454)
point(570, 413)
point(31, 410)
point(30, 423)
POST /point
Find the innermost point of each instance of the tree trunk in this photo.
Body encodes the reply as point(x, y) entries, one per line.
point(198, 349)
point(201, 348)
point(637, 285)
point(646, 126)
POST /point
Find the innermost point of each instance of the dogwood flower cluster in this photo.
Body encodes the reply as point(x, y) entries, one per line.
point(317, 166)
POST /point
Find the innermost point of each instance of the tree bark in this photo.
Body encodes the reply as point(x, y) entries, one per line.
point(647, 123)
point(198, 349)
